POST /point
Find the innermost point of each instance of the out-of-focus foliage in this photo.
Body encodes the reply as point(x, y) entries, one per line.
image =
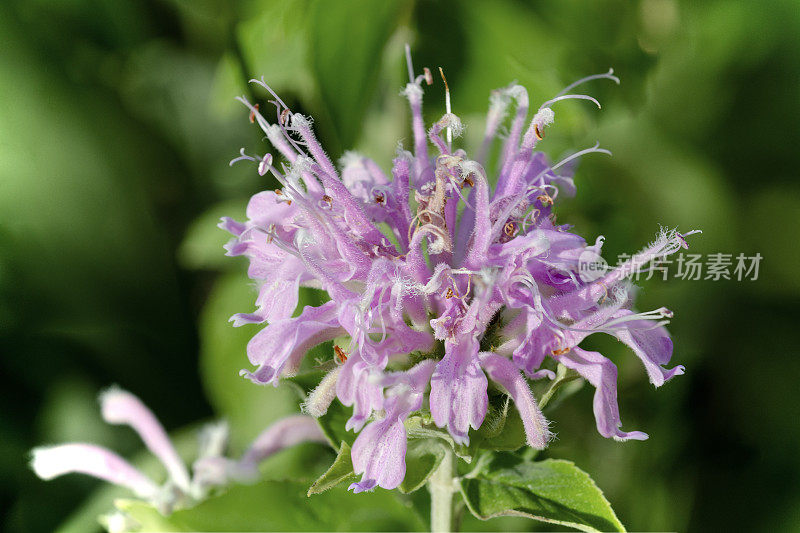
point(117, 121)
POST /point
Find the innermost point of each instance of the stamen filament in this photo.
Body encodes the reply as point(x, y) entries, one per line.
point(447, 109)
point(571, 97)
point(608, 76)
point(409, 64)
point(595, 148)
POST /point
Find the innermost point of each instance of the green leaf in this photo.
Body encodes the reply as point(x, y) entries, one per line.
point(305, 382)
point(146, 517)
point(553, 491)
point(345, 69)
point(340, 471)
point(277, 27)
point(284, 506)
point(422, 459)
point(333, 423)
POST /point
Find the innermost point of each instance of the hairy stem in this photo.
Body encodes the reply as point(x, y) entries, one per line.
point(442, 486)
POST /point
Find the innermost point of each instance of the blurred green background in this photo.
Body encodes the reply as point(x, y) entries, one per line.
point(117, 122)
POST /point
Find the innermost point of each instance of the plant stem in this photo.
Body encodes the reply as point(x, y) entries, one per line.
point(442, 486)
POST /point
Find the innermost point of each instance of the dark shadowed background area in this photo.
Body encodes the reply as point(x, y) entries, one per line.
point(117, 122)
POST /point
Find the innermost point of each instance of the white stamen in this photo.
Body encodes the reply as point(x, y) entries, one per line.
point(572, 97)
point(242, 157)
point(682, 237)
point(654, 315)
point(281, 106)
point(447, 108)
point(595, 148)
point(267, 87)
point(608, 75)
point(409, 64)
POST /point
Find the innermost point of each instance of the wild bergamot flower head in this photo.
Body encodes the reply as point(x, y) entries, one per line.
point(444, 278)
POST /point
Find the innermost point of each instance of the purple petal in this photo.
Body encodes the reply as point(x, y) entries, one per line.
point(122, 407)
point(267, 260)
point(458, 396)
point(602, 373)
point(267, 208)
point(363, 486)
point(511, 145)
point(503, 371)
point(360, 175)
point(417, 377)
point(379, 453)
point(231, 226)
point(530, 354)
point(413, 92)
point(653, 346)
point(476, 252)
point(380, 449)
point(358, 386)
point(96, 461)
point(279, 348)
point(284, 433)
point(240, 319)
point(278, 299)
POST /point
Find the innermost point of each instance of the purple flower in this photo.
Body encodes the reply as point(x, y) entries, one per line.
point(211, 469)
point(427, 262)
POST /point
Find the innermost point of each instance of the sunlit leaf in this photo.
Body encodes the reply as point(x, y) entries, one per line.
point(334, 421)
point(284, 506)
point(553, 491)
point(341, 471)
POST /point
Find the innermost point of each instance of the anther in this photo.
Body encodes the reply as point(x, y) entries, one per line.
point(545, 199)
point(270, 232)
point(539, 133)
point(279, 192)
point(380, 198)
point(561, 351)
point(327, 199)
point(428, 76)
point(510, 229)
point(341, 356)
point(449, 293)
point(253, 113)
point(447, 105)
